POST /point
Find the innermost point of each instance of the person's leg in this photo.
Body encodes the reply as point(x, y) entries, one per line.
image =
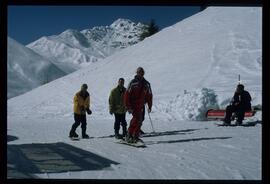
point(229, 110)
point(137, 129)
point(143, 116)
point(240, 114)
point(123, 123)
point(117, 124)
point(133, 126)
point(83, 126)
point(72, 132)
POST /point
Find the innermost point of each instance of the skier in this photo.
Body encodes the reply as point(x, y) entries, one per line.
point(81, 105)
point(240, 104)
point(138, 93)
point(116, 106)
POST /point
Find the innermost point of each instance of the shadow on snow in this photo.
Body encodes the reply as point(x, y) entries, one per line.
point(27, 159)
point(11, 138)
point(185, 140)
point(174, 132)
point(155, 134)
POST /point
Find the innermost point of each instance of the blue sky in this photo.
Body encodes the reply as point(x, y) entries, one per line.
point(28, 23)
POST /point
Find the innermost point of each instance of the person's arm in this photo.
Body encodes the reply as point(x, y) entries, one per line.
point(249, 97)
point(75, 100)
point(78, 108)
point(111, 100)
point(235, 99)
point(127, 101)
point(87, 102)
point(87, 105)
point(149, 98)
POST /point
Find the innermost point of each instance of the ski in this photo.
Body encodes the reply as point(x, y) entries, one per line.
point(234, 125)
point(139, 144)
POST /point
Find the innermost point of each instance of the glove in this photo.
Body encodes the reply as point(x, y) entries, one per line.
point(88, 111)
point(82, 109)
point(130, 111)
point(149, 110)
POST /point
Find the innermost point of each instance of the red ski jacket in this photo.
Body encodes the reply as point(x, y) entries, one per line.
point(138, 93)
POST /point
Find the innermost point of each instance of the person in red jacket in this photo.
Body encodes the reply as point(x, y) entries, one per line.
point(136, 96)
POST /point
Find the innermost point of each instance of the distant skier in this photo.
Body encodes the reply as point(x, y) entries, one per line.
point(240, 104)
point(117, 107)
point(138, 93)
point(81, 106)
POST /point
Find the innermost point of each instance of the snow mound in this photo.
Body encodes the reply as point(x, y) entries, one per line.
point(193, 105)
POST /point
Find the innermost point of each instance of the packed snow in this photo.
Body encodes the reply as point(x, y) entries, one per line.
point(192, 66)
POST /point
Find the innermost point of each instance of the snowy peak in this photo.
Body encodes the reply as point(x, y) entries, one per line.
point(73, 49)
point(121, 23)
point(96, 33)
point(125, 24)
point(75, 37)
point(120, 34)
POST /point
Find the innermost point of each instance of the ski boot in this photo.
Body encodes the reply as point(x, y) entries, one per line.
point(129, 138)
point(73, 136)
point(238, 123)
point(85, 136)
point(226, 122)
point(117, 135)
point(124, 132)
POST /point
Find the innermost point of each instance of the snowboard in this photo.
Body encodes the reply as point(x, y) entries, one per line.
point(234, 125)
point(74, 138)
point(139, 144)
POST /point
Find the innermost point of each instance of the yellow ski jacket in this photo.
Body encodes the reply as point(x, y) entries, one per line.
point(81, 102)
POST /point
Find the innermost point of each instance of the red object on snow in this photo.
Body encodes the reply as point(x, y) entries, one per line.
point(220, 114)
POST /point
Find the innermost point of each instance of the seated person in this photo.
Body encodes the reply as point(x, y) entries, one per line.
point(239, 105)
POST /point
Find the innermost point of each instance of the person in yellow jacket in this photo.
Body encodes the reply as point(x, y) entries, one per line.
point(81, 106)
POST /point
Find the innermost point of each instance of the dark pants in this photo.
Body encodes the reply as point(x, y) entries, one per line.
point(79, 119)
point(120, 119)
point(240, 113)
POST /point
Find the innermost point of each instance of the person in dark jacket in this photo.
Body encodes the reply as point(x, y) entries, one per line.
point(240, 104)
point(137, 95)
point(117, 107)
point(81, 106)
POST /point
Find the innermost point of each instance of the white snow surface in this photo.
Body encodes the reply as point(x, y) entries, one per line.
point(203, 55)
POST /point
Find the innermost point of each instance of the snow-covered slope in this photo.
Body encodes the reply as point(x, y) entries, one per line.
point(207, 50)
point(27, 69)
point(203, 55)
point(74, 49)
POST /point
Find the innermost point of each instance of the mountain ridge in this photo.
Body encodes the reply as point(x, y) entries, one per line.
point(80, 48)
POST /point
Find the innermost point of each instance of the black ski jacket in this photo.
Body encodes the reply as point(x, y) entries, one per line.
point(243, 99)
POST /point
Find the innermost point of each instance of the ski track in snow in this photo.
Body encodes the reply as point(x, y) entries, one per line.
point(203, 152)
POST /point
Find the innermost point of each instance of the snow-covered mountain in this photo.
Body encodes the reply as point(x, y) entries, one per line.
point(27, 69)
point(74, 49)
point(207, 50)
point(192, 66)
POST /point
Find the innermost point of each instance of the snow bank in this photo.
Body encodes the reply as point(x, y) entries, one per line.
point(193, 105)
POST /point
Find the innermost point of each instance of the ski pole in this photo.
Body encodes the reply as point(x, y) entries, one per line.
point(151, 121)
